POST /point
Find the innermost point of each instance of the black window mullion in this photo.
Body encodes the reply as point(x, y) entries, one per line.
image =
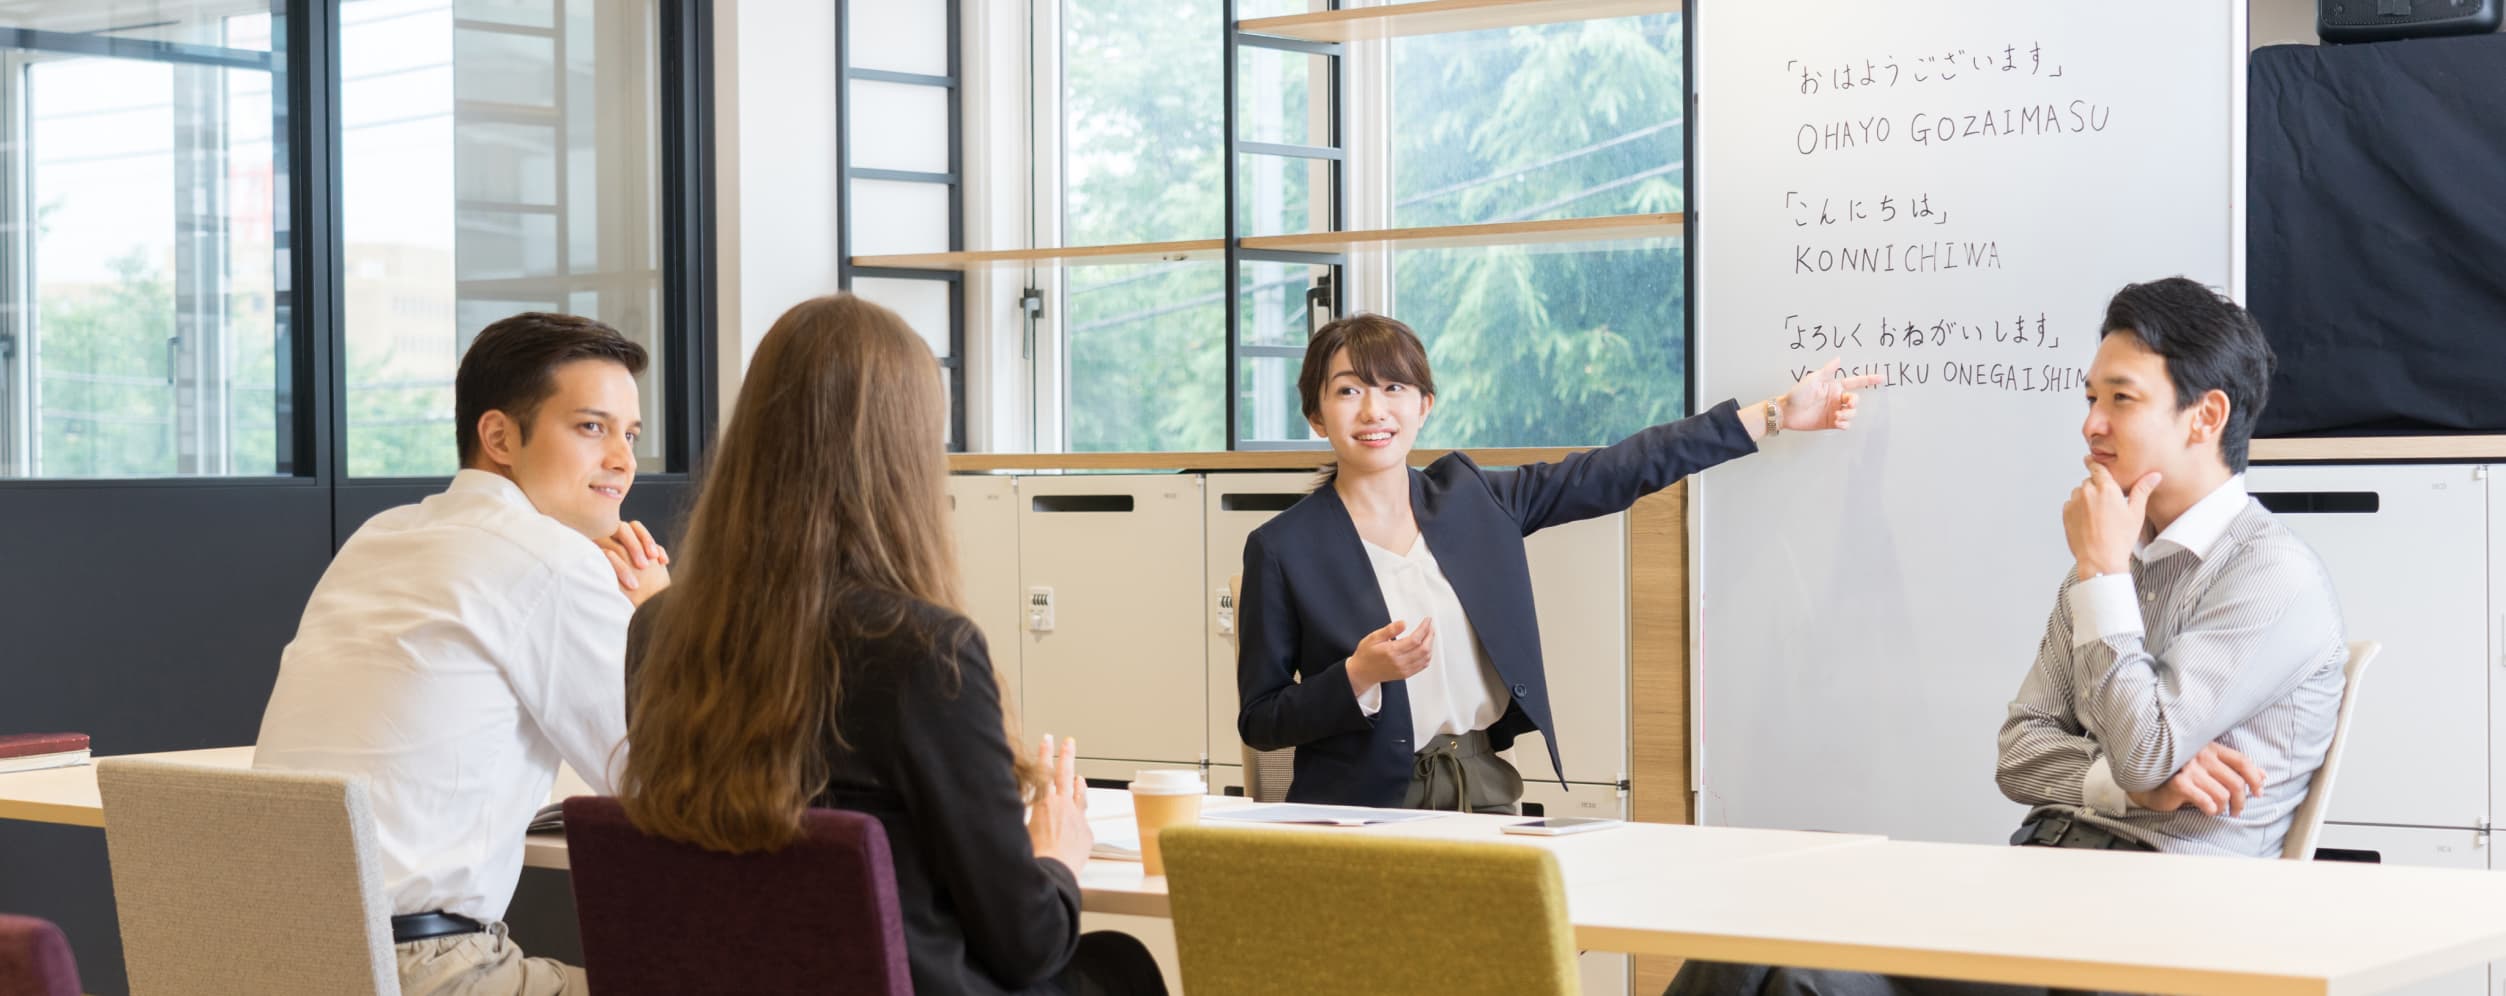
point(316, 320)
point(954, 369)
point(688, 257)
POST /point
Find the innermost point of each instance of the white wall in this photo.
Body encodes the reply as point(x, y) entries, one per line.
point(775, 160)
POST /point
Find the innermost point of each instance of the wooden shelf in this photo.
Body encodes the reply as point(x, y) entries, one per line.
point(1613, 228)
point(2371, 448)
point(1198, 250)
point(1236, 460)
point(1433, 17)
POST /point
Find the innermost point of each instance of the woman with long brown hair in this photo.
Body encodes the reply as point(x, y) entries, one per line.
point(812, 652)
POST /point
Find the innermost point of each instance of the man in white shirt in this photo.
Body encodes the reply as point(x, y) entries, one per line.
point(457, 649)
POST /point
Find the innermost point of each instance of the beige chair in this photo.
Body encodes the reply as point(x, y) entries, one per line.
point(2307, 825)
point(251, 883)
point(1266, 772)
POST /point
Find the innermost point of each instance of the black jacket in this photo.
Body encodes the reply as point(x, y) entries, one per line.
point(924, 752)
point(1310, 595)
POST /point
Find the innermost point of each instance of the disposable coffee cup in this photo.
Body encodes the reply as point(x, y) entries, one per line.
point(1161, 799)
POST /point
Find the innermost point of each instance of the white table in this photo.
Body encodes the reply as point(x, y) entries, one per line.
point(68, 796)
point(1644, 856)
point(2111, 920)
point(2080, 919)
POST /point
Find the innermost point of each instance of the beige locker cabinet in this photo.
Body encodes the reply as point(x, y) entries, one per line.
point(1579, 584)
point(1236, 505)
point(1110, 643)
point(2404, 545)
point(1589, 801)
point(2426, 848)
point(1605, 974)
point(2496, 661)
point(1225, 779)
point(983, 513)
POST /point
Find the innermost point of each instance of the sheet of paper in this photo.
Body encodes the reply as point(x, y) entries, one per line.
point(1117, 837)
point(1345, 816)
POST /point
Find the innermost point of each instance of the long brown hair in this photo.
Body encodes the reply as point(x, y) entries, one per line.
point(830, 478)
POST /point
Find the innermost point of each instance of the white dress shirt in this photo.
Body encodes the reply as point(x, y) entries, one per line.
point(1459, 691)
point(453, 653)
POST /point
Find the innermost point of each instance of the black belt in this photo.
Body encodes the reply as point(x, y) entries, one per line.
point(420, 926)
point(2063, 831)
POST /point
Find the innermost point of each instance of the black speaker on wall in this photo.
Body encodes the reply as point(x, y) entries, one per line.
point(2344, 21)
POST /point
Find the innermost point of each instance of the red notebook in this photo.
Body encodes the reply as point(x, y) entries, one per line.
point(29, 751)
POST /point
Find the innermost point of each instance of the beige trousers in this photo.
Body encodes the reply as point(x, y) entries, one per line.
point(482, 964)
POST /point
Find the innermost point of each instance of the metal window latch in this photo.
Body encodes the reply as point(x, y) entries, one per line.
point(1030, 304)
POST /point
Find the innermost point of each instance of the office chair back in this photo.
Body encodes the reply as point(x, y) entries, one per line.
point(1374, 914)
point(2307, 826)
point(243, 882)
point(661, 917)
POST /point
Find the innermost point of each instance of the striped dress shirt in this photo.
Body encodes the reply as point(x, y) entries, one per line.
point(2226, 631)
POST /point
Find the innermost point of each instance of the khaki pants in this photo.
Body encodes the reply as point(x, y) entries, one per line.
point(482, 964)
point(1460, 772)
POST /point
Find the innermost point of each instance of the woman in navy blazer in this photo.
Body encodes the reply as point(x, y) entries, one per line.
point(1326, 665)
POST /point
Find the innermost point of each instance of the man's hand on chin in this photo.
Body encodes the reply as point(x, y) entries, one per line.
point(643, 566)
point(2102, 521)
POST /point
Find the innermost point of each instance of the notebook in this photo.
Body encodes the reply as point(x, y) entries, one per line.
point(32, 751)
point(551, 818)
point(1117, 837)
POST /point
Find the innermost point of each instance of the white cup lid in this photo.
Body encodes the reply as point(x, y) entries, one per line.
point(1167, 781)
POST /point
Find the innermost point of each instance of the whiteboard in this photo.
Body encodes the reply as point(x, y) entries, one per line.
point(1989, 173)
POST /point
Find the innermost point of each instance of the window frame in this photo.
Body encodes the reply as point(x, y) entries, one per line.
point(953, 367)
point(310, 307)
point(1360, 125)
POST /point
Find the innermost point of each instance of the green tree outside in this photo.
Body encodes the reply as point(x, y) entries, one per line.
point(1531, 345)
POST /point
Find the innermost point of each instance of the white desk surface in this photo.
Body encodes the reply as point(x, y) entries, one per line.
point(69, 796)
point(1642, 857)
point(2106, 920)
point(2080, 919)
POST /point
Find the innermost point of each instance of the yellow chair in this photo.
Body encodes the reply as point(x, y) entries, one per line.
point(1370, 914)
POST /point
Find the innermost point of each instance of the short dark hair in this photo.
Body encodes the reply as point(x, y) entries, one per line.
point(2209, 343)
point(1381, 350)
point(512, 367)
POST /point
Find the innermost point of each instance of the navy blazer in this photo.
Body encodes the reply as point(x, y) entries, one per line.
point(1310, 595)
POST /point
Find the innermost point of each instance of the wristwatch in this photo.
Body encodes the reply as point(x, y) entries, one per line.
point(1774, 415)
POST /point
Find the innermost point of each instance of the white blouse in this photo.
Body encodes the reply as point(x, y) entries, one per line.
point(1459, 691)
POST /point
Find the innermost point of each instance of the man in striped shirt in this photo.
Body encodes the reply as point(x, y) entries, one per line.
point(2191, 674)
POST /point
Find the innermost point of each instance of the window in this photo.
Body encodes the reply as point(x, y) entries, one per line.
point(1145, 345)
point(1534, 344)
point(140, 330)
point(499, 156)
point(902, 193)
point(1543, 345)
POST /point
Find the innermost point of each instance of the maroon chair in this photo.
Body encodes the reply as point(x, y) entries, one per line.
point(662, 917)
point(35, 958)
